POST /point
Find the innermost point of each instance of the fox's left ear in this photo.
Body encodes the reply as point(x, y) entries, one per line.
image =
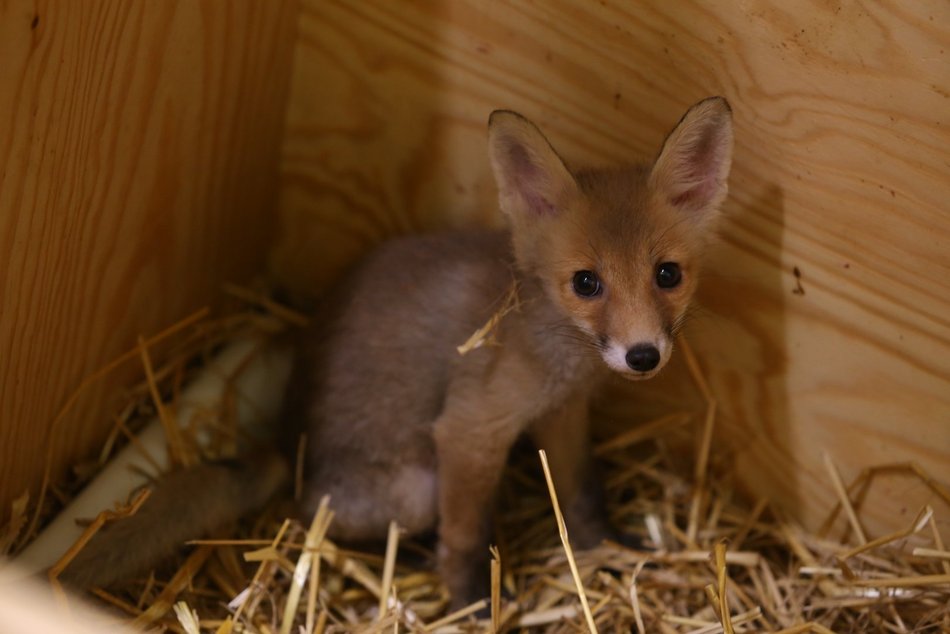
point(532, 180)
point(693, 167)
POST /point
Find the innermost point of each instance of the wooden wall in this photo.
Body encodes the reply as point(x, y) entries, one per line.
point(842, 172)
point(141, 158)
point(138, 151)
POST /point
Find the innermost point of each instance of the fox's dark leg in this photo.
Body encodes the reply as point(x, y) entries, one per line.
point(565, 437)
point(472, 456)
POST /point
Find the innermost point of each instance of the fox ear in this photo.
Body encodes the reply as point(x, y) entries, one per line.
point(693, 166)
point(532, 179)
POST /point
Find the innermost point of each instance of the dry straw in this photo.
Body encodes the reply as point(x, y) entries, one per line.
point(718, 564)
point(562, 531)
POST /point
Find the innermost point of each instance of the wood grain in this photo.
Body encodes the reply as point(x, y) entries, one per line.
point(842, 173)
point(138, 151)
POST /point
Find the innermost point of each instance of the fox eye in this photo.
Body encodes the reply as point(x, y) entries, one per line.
point(668, 275)
point(586, 284)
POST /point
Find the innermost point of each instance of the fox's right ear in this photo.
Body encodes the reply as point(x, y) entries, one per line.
point(532, 179)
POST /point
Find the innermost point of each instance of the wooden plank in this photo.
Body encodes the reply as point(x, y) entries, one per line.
point(841, 171)
point(138, 160)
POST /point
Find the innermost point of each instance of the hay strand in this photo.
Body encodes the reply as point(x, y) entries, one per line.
point(187, 617)
point(389, 568)
point(844, 499)
point(922, 520)
point(178, 582)
point(456, 616)
point(486, 334)
point(318, 528)
point(719, 554)
point(177, 452)
point(566, 542)
point(495, 589)
point(635, 599)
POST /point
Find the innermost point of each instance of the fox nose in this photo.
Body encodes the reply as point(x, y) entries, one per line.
point(643, 357)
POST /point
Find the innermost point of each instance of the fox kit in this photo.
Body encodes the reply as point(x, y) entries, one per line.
point(401, 426)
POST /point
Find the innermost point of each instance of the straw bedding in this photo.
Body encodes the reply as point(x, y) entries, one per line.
point(718, 564)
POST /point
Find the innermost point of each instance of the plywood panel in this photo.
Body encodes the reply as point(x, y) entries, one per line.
point(842, 172)
point(138, 155)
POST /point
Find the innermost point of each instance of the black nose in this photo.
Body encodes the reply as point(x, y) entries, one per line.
point(643, 357)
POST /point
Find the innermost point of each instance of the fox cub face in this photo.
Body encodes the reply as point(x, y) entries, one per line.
point(617, 249)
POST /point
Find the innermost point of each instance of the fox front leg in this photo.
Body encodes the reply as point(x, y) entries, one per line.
point(564, 435)
point(471, 455)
